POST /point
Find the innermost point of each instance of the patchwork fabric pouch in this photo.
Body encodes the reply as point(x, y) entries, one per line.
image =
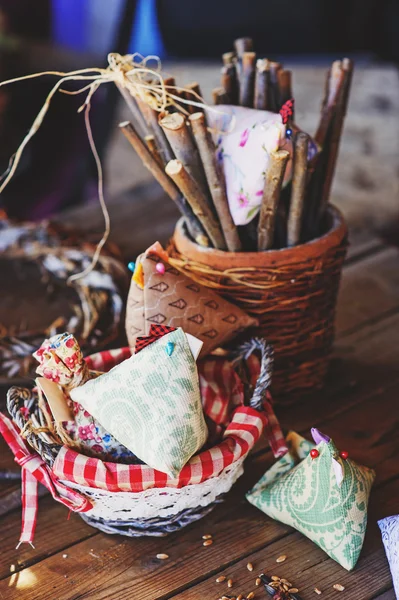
point(390, 536)
point(151, 403)
point(61, 362)
point(321, 493)
point(161, 294)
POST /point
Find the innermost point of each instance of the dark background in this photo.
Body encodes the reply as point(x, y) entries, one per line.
point(57, 168)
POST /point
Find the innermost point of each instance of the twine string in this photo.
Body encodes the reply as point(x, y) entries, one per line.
point(131, 72)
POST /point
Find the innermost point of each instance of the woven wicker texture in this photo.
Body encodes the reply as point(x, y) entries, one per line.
point(292, 292)
point(154, 512)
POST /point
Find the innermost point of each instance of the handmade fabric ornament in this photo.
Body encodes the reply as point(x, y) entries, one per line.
point(169, 297)
point(151, 403)
point(61, 361)
point(321, 493)
point(390, 536)
point(244, 138)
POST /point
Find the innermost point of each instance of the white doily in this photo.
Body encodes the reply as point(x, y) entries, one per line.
point(157, 502)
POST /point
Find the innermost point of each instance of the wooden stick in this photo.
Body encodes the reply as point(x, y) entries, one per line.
point(337, 126)
point(219, 96)
point(193, 93)
point(182, 143)
point(244, 44)
point(228, 58)
point(198, 202)
point(284, 80)
point(334, 83)
point(151, 117)
point(262, 84)
point(229, 82)
point(153, 148)
point(247, 79)
point(274, 93)
point(138, 118)
point(332, 94)
point(271, 195)
point(298, 187)
point(215, 178)
point(194, 227)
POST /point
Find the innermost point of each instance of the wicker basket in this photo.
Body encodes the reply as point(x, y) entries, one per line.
point(165, 508)
point(292, 291)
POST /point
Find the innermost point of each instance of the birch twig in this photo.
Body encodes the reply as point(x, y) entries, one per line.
point(184, 148)
point(271, 195)
point(247, 79)
point(198, 202)
point(262, 84)
point(215, 179)
point(194, 227)
point(300, 164)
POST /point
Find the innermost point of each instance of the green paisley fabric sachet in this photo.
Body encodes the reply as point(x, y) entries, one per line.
point(324, 498)
point(151, 403)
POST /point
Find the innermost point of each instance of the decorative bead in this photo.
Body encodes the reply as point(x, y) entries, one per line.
point(314, 453)
point(131, 266)
point(344, 454)
point(160, 268)
point(169, 348)
point(288, 133)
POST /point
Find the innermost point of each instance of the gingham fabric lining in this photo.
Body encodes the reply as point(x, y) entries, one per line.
point(240, 436)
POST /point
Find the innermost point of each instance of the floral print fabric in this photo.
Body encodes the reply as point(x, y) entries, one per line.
point(151, 403)
point(244, 138)
point(390, 536)
point(61, 361)
point(304, 493)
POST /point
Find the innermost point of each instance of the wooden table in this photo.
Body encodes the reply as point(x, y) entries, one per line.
point(358, 408)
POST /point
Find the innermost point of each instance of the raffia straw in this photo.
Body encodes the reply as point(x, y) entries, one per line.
point(124, 71)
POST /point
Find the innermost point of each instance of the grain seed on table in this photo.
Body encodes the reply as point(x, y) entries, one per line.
point(162, 556)
point(281, 558)
point(338, 587)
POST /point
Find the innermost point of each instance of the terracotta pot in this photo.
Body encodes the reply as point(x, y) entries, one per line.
point(292, 291)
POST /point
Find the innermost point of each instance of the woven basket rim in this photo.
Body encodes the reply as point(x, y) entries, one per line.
point(223, 260)
point(140, 467)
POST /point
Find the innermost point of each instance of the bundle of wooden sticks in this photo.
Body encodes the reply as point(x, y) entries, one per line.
point(177, 147)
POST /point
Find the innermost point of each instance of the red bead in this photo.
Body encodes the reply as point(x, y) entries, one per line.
point(344, 454)
point(314, 453)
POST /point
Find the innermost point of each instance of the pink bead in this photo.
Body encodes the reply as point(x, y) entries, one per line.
point(160, 267)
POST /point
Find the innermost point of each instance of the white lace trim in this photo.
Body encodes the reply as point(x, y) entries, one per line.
point(156, 502)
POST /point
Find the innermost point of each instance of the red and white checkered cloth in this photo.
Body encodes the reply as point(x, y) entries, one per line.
point(35, 470)
point(240, 436)
point(221, 392)
point(239, 427)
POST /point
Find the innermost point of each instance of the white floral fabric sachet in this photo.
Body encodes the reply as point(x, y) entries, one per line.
point(151, 403)
point(244, 138)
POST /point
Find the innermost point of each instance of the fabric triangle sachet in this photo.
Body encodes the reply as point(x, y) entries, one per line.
point(390, 536)
point(151, 403)
point(320, 492)
point(161, 294)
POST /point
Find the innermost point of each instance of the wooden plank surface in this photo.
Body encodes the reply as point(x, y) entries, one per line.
point(364, 376)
